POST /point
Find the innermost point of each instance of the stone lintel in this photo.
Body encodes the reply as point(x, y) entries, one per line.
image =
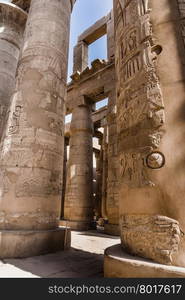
point(96, 85)
point(94, 32)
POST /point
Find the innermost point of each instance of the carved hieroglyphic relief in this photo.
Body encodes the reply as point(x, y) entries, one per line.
point(181, 5)
point(140, 105)
point(151, 236)
point(140, 127)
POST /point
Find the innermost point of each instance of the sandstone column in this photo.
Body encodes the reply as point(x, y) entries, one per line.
point(66, 143)
point(112, 203)
point(24, 4)
point(32, 151)
point(150, 125)
point(99, 168)
point(12, 25)
point(104, 171)
point(78, 206)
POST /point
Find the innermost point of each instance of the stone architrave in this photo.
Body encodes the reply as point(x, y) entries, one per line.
point(150, 124)
point(32, 150)
point(78, 205)
point(12, 25)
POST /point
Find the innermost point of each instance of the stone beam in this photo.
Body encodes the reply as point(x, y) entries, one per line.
point(94, 32)
point(97, 117)
point(96, 83)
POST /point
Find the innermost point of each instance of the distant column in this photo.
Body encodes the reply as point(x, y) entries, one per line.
point(112, 203)
point(78, 205)
point(80, 57)
point(12, 25)
point(99, 168)
point(32, 151)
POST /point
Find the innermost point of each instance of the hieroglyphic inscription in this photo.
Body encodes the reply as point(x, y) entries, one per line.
point(139, 97)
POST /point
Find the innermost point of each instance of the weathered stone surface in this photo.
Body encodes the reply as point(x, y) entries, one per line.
point(147, 122)
point(32, 150)
point(154, 237)
point(12, 24)
point(78, 199)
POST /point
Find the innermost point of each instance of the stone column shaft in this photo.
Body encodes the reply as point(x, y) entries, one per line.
point(32, 151)
point(150, 75)
point(78, 199)
point(12, 25)
point(104, 173)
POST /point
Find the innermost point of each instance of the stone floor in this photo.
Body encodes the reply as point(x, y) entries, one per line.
point(84, 259)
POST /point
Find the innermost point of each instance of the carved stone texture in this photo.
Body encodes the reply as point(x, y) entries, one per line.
point(78, 199)
point(140, 111)
point(24, 4)
point(112, 203)
point(99, 171)
point(155, 237)
point(32, 151)
point(140, 107)
point(146, 140)
point(12, 25)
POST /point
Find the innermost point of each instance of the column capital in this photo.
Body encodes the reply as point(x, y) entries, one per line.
point(24, 4)
point(11, 13)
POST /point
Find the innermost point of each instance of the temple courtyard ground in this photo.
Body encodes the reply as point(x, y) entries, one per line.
point(83, 260)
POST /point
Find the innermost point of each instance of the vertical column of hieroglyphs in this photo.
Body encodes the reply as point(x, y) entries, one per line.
point(112, 203)
point(32, 151)
point(78, 199)
point(12, 24)
point(140, 124)
point(24, 4)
